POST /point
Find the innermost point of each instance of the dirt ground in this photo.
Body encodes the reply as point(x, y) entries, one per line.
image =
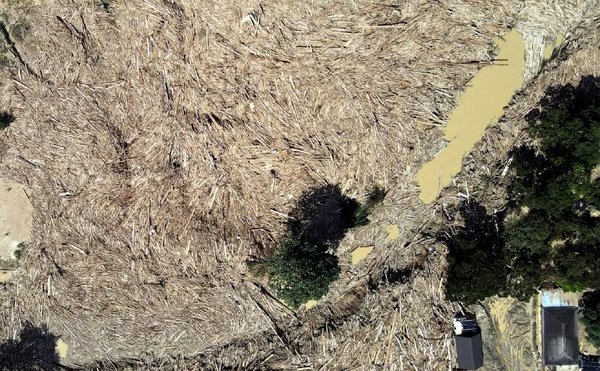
point(165, 142)
point(15, 223)
point(508, 327)
point(584, 345)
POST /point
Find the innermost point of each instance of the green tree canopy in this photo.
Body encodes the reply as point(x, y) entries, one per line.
point(554, 202)
point(301, 271)
point(305, 264)
point(590, 316)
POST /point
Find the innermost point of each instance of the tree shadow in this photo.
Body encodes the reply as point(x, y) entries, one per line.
point(478, 222)
point(476, 261)
point(323, 215)
point(6, 118)
point(390, 277)
point(34, 350)
point(567, 96)
point(566, 128)
point(590, 299)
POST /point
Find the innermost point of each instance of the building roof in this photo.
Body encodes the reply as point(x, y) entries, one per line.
point(559, 298)
point(469, 350)
point(560, 341)
point(465, 324)
point(588, 362)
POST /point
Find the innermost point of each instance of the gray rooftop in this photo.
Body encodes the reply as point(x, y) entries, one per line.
point(469, 349)
point(560, 341)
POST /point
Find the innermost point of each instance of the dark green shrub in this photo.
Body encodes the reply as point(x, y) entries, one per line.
point(20, 250)
point(300, 271)
point(305, 264)
point(476, 264)
point(361, 216)
point(590, 316)
point(577, 266)
point(525, 274)
point(533, 232)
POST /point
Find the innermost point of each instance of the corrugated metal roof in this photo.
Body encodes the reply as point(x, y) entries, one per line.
point(558, 298)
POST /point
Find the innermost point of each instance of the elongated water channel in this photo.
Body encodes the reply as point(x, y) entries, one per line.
point(481, 104)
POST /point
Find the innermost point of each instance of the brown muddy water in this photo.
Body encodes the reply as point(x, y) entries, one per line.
point(360, 253)
point(481, 104)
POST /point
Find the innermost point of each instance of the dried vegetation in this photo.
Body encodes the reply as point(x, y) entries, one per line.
point(166, 141)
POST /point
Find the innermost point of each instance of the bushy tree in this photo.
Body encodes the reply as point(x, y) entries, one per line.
point(531, 232)
point(301, 271)
point(590, 316)
point(577, 267)
point(525, 274)
point(558, 238)
point(305, 264)
point(555, 183)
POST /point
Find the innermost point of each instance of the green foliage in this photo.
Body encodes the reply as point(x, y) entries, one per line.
point(305, 264)
point(527, 273)
point(301, 271)
point(576, 266)
point(375, 196)
point(554, 182)
point(360, 216)
point(590, 316)
point(569, 286)
point(556, 185)
point(20, 249)
point(531, 232)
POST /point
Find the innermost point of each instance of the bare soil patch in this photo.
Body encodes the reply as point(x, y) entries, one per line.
point(15, 223)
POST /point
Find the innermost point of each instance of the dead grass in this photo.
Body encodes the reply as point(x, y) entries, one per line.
point(165, 141)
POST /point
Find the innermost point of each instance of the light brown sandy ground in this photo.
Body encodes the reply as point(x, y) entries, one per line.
point(15, 223)
point(509, 335)
point(148, 135)
point(584, 345)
